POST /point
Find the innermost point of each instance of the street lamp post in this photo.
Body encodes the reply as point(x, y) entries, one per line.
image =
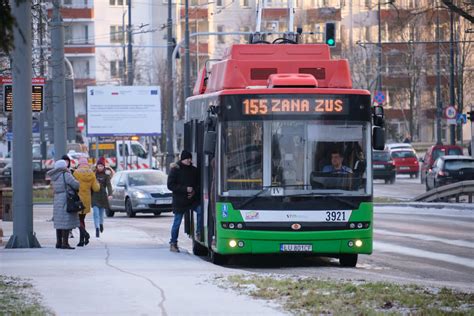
point(439, 106)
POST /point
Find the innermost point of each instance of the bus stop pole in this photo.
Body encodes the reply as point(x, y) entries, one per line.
point(96, 149)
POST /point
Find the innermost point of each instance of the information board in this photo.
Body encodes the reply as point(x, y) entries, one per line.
point(37, 94)
point(123, 110)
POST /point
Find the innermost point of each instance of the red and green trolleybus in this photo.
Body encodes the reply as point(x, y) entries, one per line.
point(269, 127)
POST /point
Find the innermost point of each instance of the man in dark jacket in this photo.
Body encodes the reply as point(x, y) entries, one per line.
point(183, 181)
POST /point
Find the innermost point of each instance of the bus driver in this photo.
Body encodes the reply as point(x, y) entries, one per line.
point(336, 166)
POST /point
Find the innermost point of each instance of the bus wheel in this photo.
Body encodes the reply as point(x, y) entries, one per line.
point(109, 213)
point(217, 258)
point(157, 213)
point(198, 249)
point(348, 260)
point(129, 208)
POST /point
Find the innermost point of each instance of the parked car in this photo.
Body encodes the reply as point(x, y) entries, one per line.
point(383, 166)
point(405, 162)
point(433, 153)
point(140, 191)
point(450, 169)
point(399, 146)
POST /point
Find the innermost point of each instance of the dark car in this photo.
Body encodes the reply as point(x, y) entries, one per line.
point(450, 169)
point(383, 166)
point(434, 153)
point(140, 191)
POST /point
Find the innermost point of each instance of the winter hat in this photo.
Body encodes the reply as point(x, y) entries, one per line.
point(101, 161)
point(60, 164)
point(186, 155)
point(66, 157)
point(83, 161)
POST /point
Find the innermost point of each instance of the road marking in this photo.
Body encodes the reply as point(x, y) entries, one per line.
point(460, 243)
point(386, 247)
point(452, 213)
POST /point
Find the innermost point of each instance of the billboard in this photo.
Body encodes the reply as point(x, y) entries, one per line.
point(123, 110)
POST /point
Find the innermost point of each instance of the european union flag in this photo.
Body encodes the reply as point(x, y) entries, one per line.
point(154, 92)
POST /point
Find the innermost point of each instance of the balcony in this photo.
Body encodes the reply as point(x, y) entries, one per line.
point(75, 13)
point(84, 82)
point(194, 13)
point(77, 49)
point(274, 13)
point(322, 15)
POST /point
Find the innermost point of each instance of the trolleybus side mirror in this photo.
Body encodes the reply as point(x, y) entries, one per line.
point(210, 142)
point(378, 138)
point(378, 115)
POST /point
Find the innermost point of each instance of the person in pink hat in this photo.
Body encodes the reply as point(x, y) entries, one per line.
point(87, 183)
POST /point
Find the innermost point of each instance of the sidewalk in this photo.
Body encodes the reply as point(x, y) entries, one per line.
point(125, 272)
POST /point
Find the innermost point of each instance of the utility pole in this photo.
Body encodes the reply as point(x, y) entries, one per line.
point(43, 145)
point(130, 53)
point(439, 105)
point(23, 235)
point(187, 66)
point(124, 56)
point(58, 79)
point(170, 83)
point(452, 127)
point(379, 68)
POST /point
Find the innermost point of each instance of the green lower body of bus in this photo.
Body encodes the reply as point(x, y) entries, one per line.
point(325, 242)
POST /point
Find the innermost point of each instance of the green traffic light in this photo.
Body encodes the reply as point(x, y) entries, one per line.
point(330, 42)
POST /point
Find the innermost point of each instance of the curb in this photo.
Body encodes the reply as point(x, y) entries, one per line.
point(455, 206)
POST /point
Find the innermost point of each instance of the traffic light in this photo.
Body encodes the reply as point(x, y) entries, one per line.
point(331, 34)
point(470, 116)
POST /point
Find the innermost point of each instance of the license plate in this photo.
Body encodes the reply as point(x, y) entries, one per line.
point(404, 168)
point(163, 201)
point(379, 166)
point(296, 248)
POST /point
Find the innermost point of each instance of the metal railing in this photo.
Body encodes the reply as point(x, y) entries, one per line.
point(448, 192)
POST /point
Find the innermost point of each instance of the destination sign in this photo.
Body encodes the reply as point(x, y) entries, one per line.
point(37, 94)
point(278, 106)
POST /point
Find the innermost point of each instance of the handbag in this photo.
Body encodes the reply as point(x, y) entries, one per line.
point(74, 203)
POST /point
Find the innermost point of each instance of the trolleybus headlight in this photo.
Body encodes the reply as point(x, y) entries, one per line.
point(231, 225)
point(358, 243)
point(350, 243)
point(241, 244)
point(239, 226)
point(352, 225)
point(359, 225)
point(232, 243)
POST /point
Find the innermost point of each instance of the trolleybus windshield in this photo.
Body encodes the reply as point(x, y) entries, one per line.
point(294, 157)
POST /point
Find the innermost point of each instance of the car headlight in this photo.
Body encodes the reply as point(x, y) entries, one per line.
point(140, 194)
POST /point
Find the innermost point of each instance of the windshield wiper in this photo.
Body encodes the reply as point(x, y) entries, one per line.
point(264, 189)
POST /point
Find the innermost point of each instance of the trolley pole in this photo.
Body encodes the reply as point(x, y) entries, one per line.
point(23, 235)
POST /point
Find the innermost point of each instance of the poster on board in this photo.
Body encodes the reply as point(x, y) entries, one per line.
point(123, 111)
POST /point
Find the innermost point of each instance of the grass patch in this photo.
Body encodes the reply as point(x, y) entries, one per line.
point(18, 297)
point(43, 195)
point(311, 296)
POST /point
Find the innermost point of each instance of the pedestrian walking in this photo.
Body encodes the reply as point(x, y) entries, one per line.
point(183, 181)
point(100, 199)
point(62, 180)
point(87, 184)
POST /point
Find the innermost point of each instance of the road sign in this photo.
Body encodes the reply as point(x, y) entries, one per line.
point(461, 118)
point(450, 112)
point(379, 97)
point(80, 124)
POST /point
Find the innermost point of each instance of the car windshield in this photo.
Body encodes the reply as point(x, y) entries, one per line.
point(139, 151)
point(403, 154)
point(146, 178)
point(459, 164)
point(381, 156)
point(446, 152)
point(294, 157)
